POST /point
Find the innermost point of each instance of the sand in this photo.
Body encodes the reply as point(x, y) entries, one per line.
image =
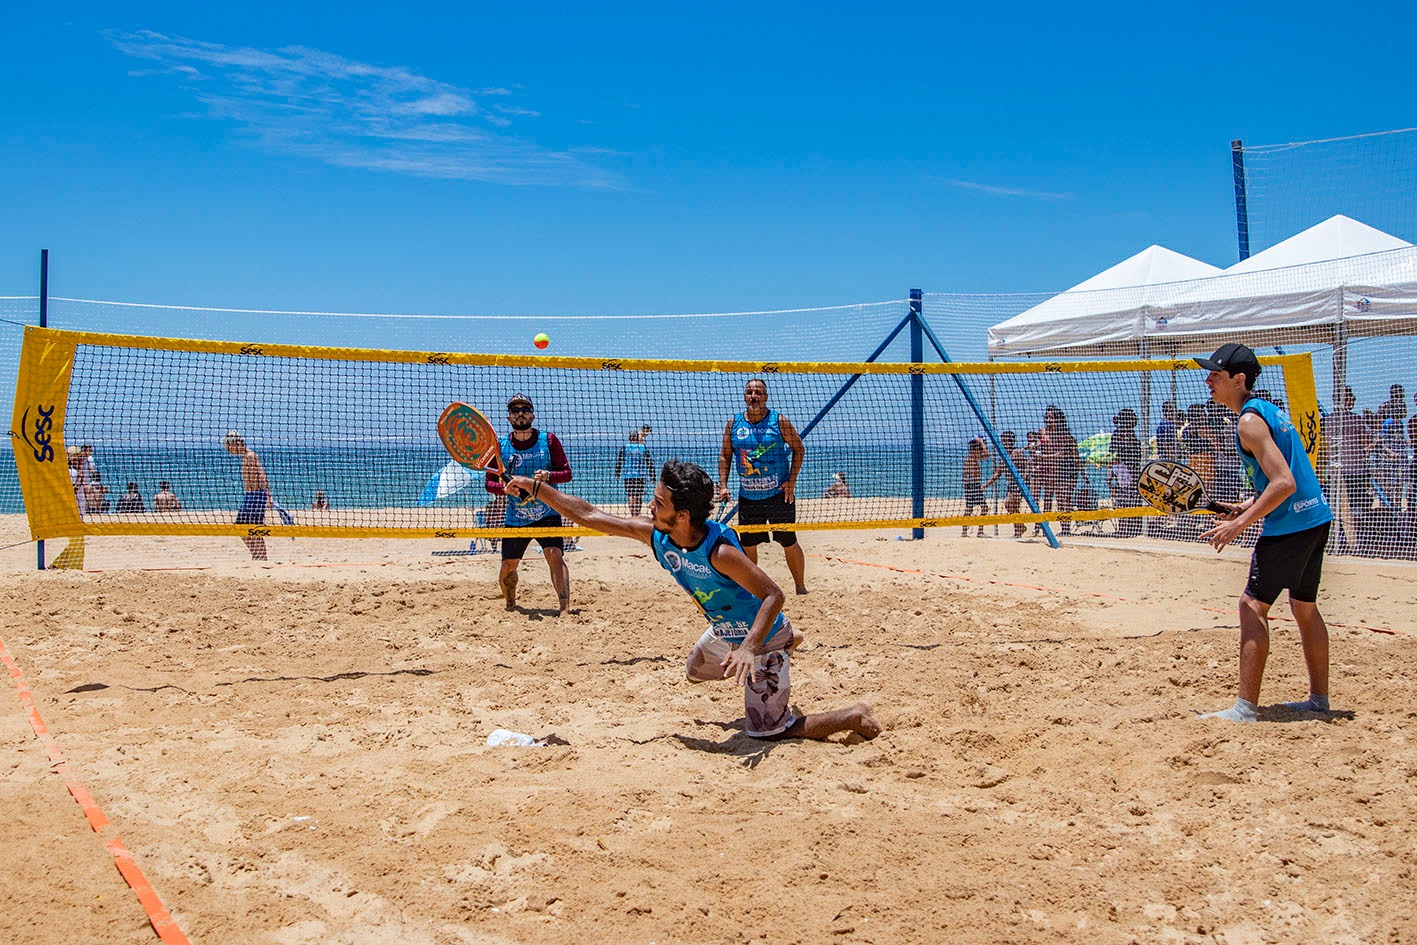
point(297, 754)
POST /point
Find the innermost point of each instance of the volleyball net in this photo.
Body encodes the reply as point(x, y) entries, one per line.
point(120, 435)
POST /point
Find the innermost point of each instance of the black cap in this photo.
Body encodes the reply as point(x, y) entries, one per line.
point(1126, 417)
point(519, 399)
point(1231, 358)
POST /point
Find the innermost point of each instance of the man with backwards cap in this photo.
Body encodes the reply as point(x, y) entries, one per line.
point(1289, 553)
point(538, 456)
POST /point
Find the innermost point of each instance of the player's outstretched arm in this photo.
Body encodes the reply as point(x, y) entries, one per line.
point(582, 512)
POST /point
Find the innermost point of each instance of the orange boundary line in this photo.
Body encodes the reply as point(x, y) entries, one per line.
point(1058, 590)
point(162, 922)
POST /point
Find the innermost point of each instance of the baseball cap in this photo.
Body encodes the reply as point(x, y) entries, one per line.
point(519, 399)
point(1231, 358)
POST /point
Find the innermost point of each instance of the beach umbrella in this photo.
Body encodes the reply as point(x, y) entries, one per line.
point(453, 477)
point(1096, 450)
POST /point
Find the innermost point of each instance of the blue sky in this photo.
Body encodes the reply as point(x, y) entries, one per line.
point(637, 158)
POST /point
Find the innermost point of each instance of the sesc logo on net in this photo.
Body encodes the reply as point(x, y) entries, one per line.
point(40, 445)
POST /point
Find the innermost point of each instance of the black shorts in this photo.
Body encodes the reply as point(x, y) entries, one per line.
point(514, 548)
point(774, 510)
point(1293, 562)
point(634, 488)
point(974, 497)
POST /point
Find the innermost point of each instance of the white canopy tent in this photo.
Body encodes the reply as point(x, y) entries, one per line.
point(1336, 281)
point(1313, 297)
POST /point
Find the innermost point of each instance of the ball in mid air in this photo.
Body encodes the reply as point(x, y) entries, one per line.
point(541, 340)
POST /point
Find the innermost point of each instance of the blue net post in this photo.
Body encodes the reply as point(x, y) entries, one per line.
point(1242, 213)
point(917, 413)
point(43, 323)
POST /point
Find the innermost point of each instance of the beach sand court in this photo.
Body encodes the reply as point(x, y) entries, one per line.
point(297, 754)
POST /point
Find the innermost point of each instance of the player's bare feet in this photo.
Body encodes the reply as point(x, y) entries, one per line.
point(864, 721)
point(509, 589)
point(801, 589)
point(565, 605)
point(797, 637)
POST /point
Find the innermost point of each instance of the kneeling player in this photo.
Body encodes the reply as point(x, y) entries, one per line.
point(748, 639)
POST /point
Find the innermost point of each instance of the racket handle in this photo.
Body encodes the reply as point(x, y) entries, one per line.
point(1219, 509)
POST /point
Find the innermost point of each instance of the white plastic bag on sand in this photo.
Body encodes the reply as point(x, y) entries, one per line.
point(501, 738)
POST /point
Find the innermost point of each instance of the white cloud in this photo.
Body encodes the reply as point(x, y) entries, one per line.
point(1001, 191)
point(318, 105)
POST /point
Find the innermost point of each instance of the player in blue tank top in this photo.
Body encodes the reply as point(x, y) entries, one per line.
point(765, 449)
point(748, 639)
point(1289, 553)
point(536, 455)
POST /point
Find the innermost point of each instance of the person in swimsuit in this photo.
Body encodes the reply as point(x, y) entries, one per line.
point(258, 492)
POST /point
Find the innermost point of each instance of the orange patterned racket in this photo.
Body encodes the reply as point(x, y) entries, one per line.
point(469, 438)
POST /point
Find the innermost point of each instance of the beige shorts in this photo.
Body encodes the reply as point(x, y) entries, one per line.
point(767, 706)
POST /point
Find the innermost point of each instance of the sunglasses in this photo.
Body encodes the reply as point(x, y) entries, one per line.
point(513, 411)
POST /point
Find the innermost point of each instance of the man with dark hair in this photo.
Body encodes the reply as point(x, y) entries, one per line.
point(538, 456)
point(1289, 554)
point(767, 452)
point(748, 639)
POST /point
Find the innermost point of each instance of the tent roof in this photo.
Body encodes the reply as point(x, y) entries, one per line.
point(1372, 294)
point(1151, 266)
point(1338, 237)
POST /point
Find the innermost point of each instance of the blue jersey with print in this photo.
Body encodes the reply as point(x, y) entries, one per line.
point(1306, 508)
point(525, 461)
point(762, 456)
point(635, 464)
point(729, 608)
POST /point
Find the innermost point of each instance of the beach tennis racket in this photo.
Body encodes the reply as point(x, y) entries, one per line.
point(1175, 488)
point(468, 437)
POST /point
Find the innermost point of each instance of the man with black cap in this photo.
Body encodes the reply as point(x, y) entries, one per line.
point(1290, 550)
point(538, 456)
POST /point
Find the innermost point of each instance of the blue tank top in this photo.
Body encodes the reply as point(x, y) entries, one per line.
point(727, 605)
point(525, 462)
point(1307, 507)
point(761, 455)
point(635, 464)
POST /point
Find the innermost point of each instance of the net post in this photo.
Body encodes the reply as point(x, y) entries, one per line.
point(917, 413)
point(1242, 214)
point(43, 323)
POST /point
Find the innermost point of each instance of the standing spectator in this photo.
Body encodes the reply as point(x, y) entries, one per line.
point(764, 447)
point(633, 467)
point(1168, 433)
point(1125, 469)
point(1033, 472)
point(539, 456)
point(1058, 449)
point(972, 478)
point(1395, 407)
point(165, 500)
point(1355, 444)
point(1227, 458)
point(72, 557)
point(131, 500)
point(1412, 445)
point(1391, 456)
point(258, 492)
point(1013, 496)
point(1198, 444)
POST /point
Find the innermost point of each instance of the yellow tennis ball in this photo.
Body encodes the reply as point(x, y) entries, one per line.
point(541, 340)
